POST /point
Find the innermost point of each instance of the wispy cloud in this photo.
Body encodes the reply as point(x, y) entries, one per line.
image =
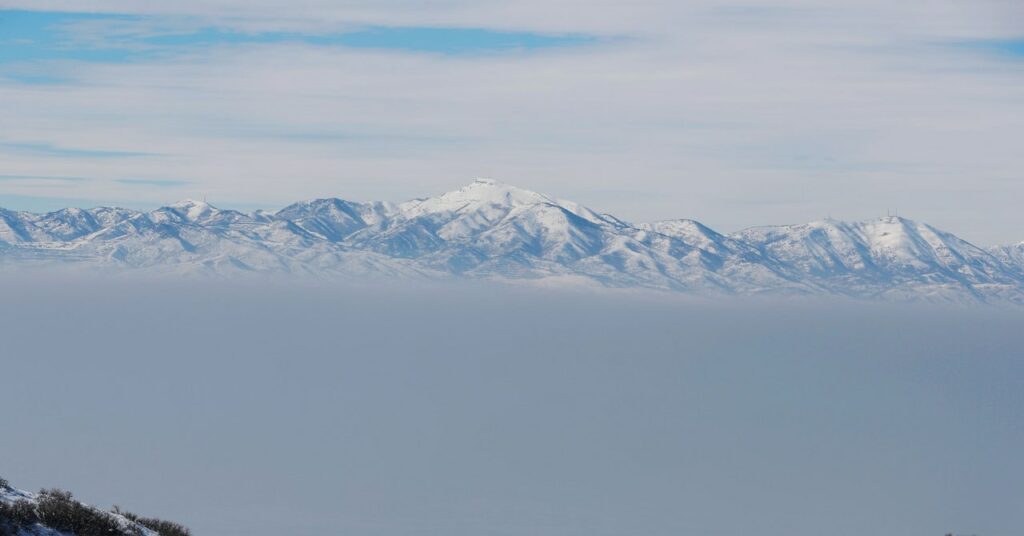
point(46, 149)
point(34, 79)
point(166, 183)
point(42, 178)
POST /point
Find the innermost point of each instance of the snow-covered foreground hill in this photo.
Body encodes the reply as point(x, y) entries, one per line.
point(488, 230)
point(57, 513)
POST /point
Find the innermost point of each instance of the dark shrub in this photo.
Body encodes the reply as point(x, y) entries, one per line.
point(165, 528)
point(16, 516)
point(19, 512)
point(57, 510)
point(56, 493)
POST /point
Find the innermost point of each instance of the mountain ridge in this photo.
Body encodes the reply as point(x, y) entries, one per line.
point(494, 231)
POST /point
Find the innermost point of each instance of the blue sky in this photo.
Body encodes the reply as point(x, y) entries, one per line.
point(732, 113)
point(32, 36)
point(1008, 48)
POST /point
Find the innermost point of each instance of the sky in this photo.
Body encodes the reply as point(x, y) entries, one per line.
point(309, 411)
point(732, 113)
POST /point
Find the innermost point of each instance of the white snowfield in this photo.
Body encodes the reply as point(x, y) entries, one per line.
point(11, 495)
point(493, 231)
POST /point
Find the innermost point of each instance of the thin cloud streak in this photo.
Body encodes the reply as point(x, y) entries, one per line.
point(42, 178)
point(49, 150)
point(166, 183)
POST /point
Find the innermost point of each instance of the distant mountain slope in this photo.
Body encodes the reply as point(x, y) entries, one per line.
point(490, 230)
point(1012, 257)
point(57, 513)
point(886, 256)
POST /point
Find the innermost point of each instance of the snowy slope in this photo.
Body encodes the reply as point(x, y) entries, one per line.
point(1012, 257)
point(490, 230)
point(62, 225)
point(744, 265)
point(10, 496)
point(886, 256)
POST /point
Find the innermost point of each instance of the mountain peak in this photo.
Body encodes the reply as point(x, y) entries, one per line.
point(190, 203)
point(191, 210)
point(489, 189)
point(480, 193)
point(892, 220)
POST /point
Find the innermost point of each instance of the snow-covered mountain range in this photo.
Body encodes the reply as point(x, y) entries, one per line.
point(489, 230)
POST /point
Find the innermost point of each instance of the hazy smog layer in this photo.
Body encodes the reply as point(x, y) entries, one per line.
point(303, 410)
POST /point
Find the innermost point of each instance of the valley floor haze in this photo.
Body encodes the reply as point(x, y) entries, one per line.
point(310, 409)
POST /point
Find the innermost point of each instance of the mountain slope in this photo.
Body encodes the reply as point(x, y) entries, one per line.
point(1012, 257)
point(885, 256)
point(736, 260)
point(490, 230)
